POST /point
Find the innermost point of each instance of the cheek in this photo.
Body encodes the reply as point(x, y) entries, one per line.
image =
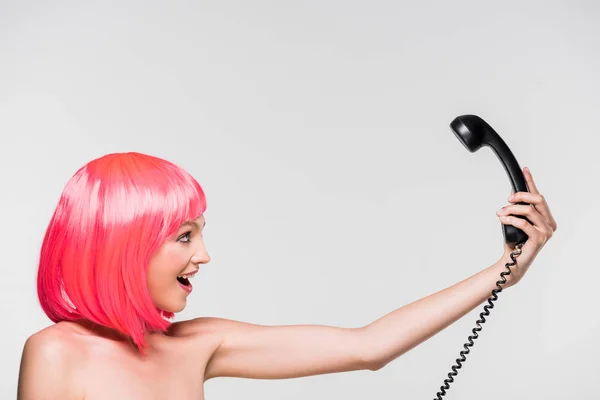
point(167, 264)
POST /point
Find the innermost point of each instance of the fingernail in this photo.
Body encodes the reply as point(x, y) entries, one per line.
point(511, 197)
point(527, 169)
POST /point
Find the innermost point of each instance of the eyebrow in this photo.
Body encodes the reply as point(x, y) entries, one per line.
point(192, 223)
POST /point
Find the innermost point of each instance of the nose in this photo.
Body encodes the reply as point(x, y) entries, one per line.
point(201, 255)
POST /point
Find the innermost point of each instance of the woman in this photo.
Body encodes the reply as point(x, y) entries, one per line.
point(115, 265)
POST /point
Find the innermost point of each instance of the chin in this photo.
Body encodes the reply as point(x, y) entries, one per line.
point(175, 309)
point(171, 307)
point(179, 309)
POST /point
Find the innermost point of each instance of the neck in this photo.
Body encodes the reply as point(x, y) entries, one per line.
point(109, 333)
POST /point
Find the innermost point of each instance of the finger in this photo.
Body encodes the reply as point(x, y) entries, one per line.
point(529, 179)
point(527, 197)
point(543, 207)
point(534, 234)
point(529, 212)
point(539, 202)
point(535, 239)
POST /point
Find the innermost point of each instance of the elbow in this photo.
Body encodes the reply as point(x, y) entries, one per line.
point(370, 358)
point(374, 365)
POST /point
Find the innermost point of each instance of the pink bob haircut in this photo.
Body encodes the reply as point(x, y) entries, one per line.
point(113, 214)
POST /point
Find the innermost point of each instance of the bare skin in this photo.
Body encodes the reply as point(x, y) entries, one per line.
point(96, 362)
point(102, 365)
point(79, 361)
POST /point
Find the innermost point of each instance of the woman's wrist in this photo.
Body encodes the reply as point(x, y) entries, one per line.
point(500, 266)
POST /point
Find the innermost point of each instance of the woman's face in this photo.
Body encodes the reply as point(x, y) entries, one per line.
point(180, 254)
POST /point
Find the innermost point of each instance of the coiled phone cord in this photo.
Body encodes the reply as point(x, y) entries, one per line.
point(482, 315)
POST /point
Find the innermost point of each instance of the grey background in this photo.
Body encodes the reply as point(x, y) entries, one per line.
point(336, 191)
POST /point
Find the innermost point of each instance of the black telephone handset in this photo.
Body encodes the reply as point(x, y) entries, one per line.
point(473, 132)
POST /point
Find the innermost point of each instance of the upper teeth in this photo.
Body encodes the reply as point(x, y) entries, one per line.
point(188, 276)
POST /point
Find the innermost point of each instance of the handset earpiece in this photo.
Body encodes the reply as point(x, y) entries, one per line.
point(473, 132)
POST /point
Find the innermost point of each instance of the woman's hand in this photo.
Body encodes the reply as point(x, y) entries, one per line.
point(540, 230)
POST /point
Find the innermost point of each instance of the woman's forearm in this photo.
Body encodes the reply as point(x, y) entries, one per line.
point(399, 331)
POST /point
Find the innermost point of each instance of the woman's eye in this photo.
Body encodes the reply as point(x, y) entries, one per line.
point(186, 236)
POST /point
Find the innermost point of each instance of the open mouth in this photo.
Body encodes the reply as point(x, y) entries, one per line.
point(183, 281)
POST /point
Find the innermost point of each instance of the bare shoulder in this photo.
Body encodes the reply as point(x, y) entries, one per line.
point(209, 329)
point(217, 325)
point(47, 363)
point(207, 334)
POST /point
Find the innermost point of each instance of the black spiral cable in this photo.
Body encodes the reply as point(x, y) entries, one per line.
point(482, 315)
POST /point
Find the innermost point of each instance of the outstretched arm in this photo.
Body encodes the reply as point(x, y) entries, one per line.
point(279, 352)
point(271, 352)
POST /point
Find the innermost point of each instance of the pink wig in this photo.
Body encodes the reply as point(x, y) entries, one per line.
point(113, 214)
